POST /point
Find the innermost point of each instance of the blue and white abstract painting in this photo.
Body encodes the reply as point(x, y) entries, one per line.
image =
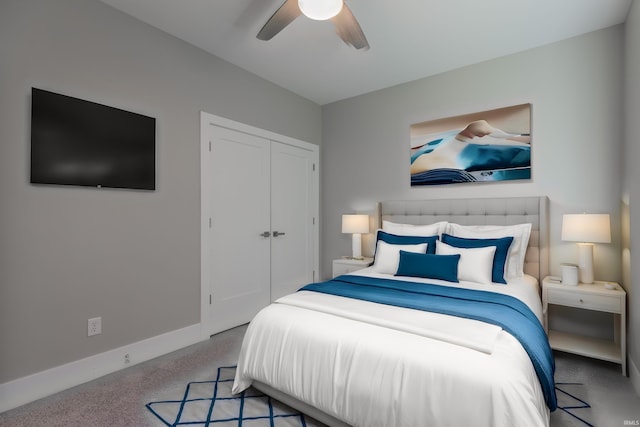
point(492, 145)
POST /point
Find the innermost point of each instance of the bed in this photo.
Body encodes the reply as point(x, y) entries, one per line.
point(405, 354)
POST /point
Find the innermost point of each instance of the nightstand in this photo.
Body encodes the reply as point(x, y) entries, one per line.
point(348, 265)
point(592, 296)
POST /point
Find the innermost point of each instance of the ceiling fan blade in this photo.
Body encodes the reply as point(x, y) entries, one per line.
point(280, 19)
point(349, 30)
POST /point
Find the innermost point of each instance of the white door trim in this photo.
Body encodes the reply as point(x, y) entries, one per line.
point(206, 120)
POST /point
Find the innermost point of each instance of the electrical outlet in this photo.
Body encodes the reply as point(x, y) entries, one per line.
point(127, 359)
point(94, 326)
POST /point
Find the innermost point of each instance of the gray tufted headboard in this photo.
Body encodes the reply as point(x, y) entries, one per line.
point(490, 211)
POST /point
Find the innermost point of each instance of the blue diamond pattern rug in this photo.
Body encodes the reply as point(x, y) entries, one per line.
point(211, 403)
point(569, 403)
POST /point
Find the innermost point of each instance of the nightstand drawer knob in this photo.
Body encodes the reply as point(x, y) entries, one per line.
point(581, 300)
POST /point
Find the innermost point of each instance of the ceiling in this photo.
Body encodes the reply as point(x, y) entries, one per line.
point(410, 39)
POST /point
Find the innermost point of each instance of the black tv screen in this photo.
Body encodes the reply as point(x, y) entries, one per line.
point(78, 142)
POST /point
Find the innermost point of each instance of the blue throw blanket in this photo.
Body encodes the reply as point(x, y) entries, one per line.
point(505, 311)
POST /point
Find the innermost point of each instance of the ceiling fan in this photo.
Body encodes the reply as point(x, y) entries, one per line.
point(346, 24)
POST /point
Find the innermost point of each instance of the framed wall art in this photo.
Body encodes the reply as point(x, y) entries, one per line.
point(492, 145)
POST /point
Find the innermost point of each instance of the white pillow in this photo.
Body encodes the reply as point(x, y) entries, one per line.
point(475, 265)
point(388, 255)
point(517, 250)
point(434, 229)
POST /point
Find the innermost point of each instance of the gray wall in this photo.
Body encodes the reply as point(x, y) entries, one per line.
point(575, 90)
point(631, 189)
point(68, 254)
point(574, 87)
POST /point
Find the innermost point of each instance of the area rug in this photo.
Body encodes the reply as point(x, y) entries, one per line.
point(572, 403)
point(211, 403)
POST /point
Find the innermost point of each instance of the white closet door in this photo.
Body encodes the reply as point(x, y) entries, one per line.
point(239, 258)
point(292, 218)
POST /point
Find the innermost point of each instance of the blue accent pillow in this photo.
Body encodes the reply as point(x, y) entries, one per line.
point(499, 259)
point(442, 267)
point(395, 239)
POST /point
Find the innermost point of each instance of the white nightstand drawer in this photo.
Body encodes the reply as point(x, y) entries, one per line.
point(584, 300)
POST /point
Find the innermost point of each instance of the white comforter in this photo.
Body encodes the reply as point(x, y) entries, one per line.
point(369, 364)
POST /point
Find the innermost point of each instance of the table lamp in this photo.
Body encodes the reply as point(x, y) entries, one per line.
point(355, 224)
point(586, 229)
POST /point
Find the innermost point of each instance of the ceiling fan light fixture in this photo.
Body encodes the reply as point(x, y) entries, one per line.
point(320, 10)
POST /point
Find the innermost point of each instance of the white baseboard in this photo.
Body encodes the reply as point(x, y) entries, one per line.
point(36, 386)
point(634, 375)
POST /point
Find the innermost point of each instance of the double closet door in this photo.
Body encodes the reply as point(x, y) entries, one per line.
point(260, 204)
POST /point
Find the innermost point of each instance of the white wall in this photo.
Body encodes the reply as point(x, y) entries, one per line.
point(631, 191)
point(68, 254)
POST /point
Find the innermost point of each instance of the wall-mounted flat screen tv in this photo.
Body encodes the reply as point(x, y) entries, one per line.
point(78, 142)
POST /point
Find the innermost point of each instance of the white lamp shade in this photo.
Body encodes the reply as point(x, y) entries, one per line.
point(586, 228)
point(320, 9)
point(355, 224)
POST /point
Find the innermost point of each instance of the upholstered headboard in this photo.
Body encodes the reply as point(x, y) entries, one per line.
point(490, 211)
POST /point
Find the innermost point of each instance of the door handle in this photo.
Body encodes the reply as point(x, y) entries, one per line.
point(278, 233)
point(265, 234)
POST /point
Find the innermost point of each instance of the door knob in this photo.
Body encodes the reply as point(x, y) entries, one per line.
point(278, 233)
point(265, 234)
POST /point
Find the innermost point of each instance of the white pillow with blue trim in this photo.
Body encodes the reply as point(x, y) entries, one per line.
point(518, 249)
point(388, 255)
point(475, 265)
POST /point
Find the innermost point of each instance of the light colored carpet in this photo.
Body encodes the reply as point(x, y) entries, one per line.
point(611, 396)
point(119, 399)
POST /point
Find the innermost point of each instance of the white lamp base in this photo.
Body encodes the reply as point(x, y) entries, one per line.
point(585, 264)
point(356, 245)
